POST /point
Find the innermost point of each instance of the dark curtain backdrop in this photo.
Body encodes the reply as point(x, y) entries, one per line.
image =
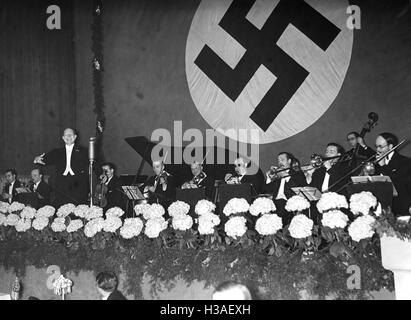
point(37, 80)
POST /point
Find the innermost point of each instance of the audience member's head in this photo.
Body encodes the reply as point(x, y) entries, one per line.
point(231, 290)
point(10, 175)
point(106, 283)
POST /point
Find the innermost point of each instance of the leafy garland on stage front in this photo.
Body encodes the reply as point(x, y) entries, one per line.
point(286, 262)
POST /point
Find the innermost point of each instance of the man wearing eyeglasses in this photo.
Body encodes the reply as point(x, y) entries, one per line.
point(398, 168)
point(242, 176)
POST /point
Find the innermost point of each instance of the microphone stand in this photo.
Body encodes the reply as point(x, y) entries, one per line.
point(91, 156)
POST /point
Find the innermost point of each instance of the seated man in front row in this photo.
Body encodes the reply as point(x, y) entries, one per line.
point(200, 179)
point(160, 187)
point(40, 188)
point(242, 176)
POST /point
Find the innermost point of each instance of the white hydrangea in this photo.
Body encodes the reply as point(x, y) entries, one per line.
point(268, 224)
point(262, 205)
point(93, 213)
point(178, 208)
point(40, 223)
point(74, 225)
point(155, 211)
point(93, 226)
point(2, 219)
point(301, 227)
point(334, 219)
point(155, 226)
point(11, 219)
point(81, 210)
point(28, 213)
point(16, 206)
point(45, 212)
point(58, 225)
point(65, 210)
point(131, 228)
point(204, 207)
point(297, 204)
point(140, 208)
point(330, 201)
point(111, 224)
point(114, 212)
point(236, 205)
point(4, 207)
point(207, 222)
point(235, 227)
point(182, 222)
point(361, 228)
point(363, 202)
point(23, 225)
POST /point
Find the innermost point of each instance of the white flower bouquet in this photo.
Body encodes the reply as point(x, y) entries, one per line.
point(28, 213)
point(262, 206)
point(45, 212)
point(140, 208)
point(94, 212)
point(297, 204)
point(11, 219)
point(62, 286)
point(301, 227)
point(39, 223)
point(334, 219)
point(81, 211)
point(58, 225)
point(235, 227)
point(65, 210)
point(3, 219)
point(178, 208)
point(154, 226)
point(155, 211)
point(207, 222)
point(114, 212)
point(93, 227)
point(131, 228)
point(331, 201)
point(16, 206)
point(362, 228)
point(204, 207)
point(363, 202)
point(268, 224)
point(112, 223)
point(182, 222)
point(23, 225)
point(4, 207)
point(236, 205)
point(74, 225)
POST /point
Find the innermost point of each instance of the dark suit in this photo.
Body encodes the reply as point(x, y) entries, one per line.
point(399, 170)
point(69, 189)
point(114, 194)
point(43, 190)
point(164, 197)
point(15, 195)
point(336, 172)
point(254, 181)
point(362, 155)
point(208, 184)
point(116, 295)
point(297, 179)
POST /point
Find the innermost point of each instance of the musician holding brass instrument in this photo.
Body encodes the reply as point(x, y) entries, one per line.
point(280, 179)
point(200, 179)
point(241, 175)
point(160, 187)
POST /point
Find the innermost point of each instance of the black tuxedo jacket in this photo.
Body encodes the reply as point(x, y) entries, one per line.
point(114, 194)
point(297, 179)
point(336, 172)
point(44, 190)
point(208, 184)
point(116, 295)
point(15, 195)
point(363, 154)
point(399, 170)
point(255, 182)
point(169, 194)
point(79, 160)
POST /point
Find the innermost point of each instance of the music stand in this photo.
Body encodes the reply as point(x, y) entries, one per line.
point(380, 186)
point(27, 197)
point(133, 194)
point(309, 193)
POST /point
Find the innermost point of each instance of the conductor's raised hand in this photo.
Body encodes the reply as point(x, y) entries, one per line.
point(39, 159)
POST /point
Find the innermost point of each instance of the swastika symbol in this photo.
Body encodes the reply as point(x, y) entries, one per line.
point(261, 49)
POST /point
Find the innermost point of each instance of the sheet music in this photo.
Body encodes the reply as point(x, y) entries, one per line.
point(23, 190)
point(133, 193)
point(311, 193)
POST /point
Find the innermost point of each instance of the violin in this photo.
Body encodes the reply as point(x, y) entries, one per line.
point(100, 194)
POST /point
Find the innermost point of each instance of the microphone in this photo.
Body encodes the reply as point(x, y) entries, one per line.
point(92, 149)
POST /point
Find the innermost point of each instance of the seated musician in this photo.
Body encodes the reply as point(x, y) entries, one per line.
point(200, 179)
point(325, 177)
point(9, 193)
point(281, 179)
point(242, 176)
point(160, 187)
point(398, 168)
point(40, 188)
point(113, 193)
point(359, 151)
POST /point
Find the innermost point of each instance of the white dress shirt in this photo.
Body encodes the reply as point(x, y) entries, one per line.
point(281, 194)
point(69, 151)
point(325, 182)
point(388, 158)
point(36, 185)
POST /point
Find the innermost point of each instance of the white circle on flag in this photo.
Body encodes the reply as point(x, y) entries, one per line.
point(327, 70)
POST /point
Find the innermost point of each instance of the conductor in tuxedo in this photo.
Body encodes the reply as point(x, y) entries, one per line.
point(325, 177)
point(114, 194)
point(71, 163)
point(242, 176)
point(107, 284)
point(398, 168)
point(280, 184)
point(9, 193)
point(40, 188)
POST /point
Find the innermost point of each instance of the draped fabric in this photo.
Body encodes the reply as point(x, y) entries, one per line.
point(37, 80)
